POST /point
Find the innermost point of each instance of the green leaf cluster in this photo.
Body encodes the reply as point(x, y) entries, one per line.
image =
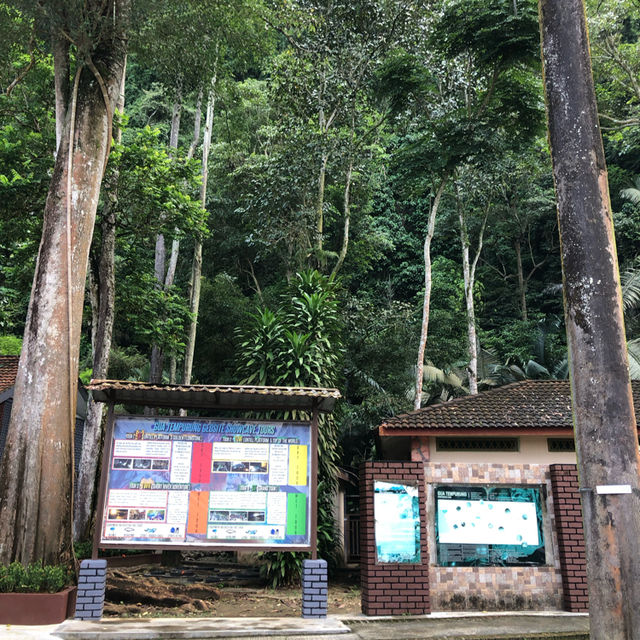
point(299, 343)
point(34, 577)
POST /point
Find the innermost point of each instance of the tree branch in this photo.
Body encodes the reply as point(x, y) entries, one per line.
point(20, 77)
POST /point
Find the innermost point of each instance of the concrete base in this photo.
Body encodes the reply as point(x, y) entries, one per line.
point(158, 628)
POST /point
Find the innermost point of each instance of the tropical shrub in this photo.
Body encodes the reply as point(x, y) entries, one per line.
point(300, 345)
point(33, 578)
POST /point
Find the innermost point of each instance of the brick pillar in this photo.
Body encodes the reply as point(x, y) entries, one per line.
point(91, 586)
point(392, 588)
point(314, 589)
point(569, 528)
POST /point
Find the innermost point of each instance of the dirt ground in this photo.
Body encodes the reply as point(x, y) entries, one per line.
point(214, 589)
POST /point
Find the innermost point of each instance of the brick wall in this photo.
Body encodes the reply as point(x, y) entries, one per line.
point(391, 588)
point(569, 528)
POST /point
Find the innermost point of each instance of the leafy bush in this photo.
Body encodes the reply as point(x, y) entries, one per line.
point(83, 549)
point(281, 568)
point(33, 578)
point(10, 345)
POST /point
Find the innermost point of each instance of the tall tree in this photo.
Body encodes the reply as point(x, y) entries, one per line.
point(334, 50)
point(605, 426)
point(469, 265)
point(36, 478)
point(196, 263)
point(478, 89)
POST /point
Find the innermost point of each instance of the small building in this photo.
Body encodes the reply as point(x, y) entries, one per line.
point(8, 371)
point(502, 510)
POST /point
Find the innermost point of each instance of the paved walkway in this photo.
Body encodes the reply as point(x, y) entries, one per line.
point(438, 626)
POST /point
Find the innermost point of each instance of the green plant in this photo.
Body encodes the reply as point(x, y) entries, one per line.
point(281, 568)
point(300, 344)
point(33, 578)
point(83, 549)
point(10, 345)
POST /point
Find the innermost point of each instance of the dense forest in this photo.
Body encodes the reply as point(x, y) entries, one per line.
point(318, 192)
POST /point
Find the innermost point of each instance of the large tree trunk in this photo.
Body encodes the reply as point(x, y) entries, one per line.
point(417, 402)
point(103, 295)
point(36, 473)
point(605, 427)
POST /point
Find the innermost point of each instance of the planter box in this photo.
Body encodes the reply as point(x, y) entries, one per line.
point(37, 608)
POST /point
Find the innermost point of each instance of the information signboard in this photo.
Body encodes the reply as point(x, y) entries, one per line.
point(178, 482)
point(397, 522)
point(485, 526)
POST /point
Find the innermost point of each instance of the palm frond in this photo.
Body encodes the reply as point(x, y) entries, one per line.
point(630, 282)
point(631, 194)
point(487, 358)
point(561, 370)
point(633, 348)
point(535, 370)
point(368, 380)
point(441, 376)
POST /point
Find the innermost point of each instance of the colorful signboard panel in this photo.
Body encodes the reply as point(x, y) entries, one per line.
point(208, 482)
point(396, 510)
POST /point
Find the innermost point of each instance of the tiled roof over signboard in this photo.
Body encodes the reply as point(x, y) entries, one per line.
point(8, 371)
point(530, 404)
point(205, 396)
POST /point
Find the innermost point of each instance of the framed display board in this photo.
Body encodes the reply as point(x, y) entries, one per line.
point(489, 526)
point(396, 510)
point(180, 483)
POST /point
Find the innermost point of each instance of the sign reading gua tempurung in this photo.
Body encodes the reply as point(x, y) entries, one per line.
point(177, 482)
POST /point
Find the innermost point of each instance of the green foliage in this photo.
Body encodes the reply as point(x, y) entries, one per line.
point(126, 363)
point(33, 578)
point(86, 375)
point(10, 345)
point(223, 307)
point(150, 191)
point(83, 549)
point(156, 190)
point(281, 568)
point(491, 30)
point(27, 143)
point(153, 315)
point(300, 345)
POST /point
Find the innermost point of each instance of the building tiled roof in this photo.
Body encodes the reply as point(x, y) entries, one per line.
point(8, 371)
point(530, 404)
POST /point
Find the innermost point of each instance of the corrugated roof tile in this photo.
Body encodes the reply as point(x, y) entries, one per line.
point(529, 404)
point(8, 371)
